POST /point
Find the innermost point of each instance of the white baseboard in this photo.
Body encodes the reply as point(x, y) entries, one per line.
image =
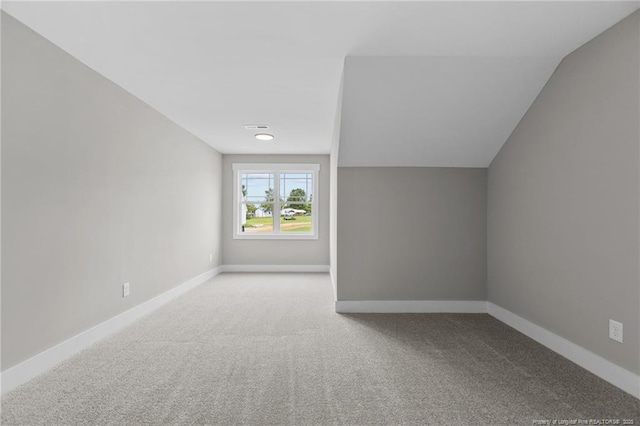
point(411, 306)
point(38, 364)
point(275, 268)
point(612, 373)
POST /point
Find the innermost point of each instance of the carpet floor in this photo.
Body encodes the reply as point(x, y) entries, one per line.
point(269, 349)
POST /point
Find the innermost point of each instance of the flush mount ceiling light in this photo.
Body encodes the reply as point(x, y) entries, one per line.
point(264, 137)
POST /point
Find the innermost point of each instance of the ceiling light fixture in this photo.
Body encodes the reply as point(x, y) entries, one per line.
point(264, 137)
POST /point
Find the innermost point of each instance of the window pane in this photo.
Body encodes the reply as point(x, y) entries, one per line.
point(257, 188)
point(296, 220)
point(256, 218)
point(296, 188)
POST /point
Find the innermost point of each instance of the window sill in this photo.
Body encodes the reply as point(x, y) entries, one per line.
point(275, 237)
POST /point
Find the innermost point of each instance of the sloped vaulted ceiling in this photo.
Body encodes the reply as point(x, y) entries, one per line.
point(425, 83)
point(434, 111)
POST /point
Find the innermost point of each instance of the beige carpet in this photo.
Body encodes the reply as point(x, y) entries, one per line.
point(269, 349)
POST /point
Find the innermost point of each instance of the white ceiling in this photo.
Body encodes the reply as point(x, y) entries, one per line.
point(214, 66)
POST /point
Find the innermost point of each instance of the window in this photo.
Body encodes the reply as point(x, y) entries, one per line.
point(275, 201)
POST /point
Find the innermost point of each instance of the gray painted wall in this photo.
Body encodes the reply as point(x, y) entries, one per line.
point(563, 207)
point(412, 233)
point(98, 189)
point(275, 252)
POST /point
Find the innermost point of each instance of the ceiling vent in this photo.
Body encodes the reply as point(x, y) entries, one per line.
point(256, 126)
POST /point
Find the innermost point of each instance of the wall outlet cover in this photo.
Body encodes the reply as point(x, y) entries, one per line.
point(615, 330)
point(125, 290)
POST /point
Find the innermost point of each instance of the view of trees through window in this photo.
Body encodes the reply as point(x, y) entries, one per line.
point(293, 206)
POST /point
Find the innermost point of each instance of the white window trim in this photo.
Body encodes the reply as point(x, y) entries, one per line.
point(276, 169)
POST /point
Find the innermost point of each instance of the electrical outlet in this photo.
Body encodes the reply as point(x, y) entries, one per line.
point(125, 289)
point(210, 257)
point(615, 330)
